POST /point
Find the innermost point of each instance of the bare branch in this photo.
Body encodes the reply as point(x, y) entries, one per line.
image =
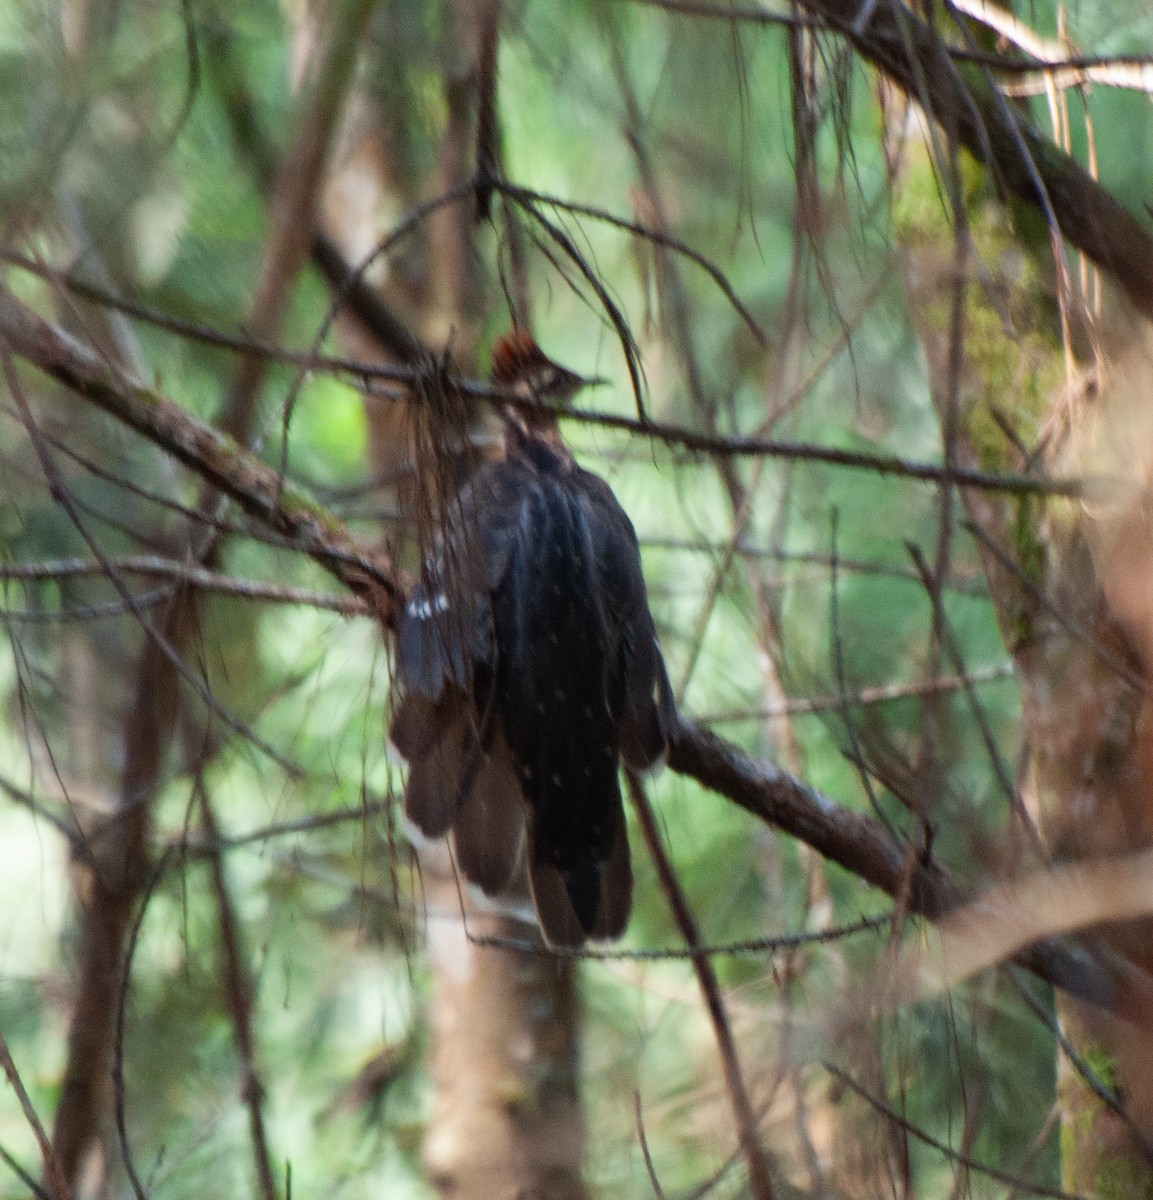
point(213, 455)
point(760, 1181)
point(187, 574)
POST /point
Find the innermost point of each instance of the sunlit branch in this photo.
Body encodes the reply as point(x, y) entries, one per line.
point(1022, 162)
point(1046, 58)
point(1057, 71)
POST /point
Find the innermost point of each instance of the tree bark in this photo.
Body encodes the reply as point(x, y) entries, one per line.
point(507, 1122)
point(1062, 580)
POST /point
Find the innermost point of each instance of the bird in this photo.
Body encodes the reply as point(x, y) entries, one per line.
point(530, 670)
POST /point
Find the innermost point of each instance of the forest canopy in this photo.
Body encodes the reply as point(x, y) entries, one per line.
point(863, 289)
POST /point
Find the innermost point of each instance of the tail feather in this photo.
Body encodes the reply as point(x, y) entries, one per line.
point(554, 909)
point(592, 900)
point(418, 725)
point(436, 778)
point(489, 829)
point(616, 887)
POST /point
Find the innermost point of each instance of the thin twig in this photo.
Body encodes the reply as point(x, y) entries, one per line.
point(642, 1137)
point(772, 944)
point(69, 361)
point(119, 1090)
point(188, 574)
point(992, 751)
point(759, 1178)
point(881, 693)
point(25, 1178)
point(52, 1170)
point(238, 994)
point(965, 1160)
point(1075, 628)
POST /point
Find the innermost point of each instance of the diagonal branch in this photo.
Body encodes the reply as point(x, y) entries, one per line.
point(860, 843)
point(257, 488)
point(964, 101)
point(760, 1179)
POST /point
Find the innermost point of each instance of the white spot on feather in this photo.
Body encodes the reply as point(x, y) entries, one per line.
point(424, 609)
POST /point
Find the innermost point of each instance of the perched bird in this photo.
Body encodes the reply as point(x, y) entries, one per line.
point(530, 668)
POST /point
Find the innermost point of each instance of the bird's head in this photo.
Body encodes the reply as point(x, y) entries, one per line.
point(520, 365)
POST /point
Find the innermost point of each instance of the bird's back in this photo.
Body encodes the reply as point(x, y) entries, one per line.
point(560, 678)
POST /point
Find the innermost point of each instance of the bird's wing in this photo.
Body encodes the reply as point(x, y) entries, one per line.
point(439, 740)
point(445, 657)
point(445, 628)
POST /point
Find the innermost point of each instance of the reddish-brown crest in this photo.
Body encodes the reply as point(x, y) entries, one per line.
point(516, 357)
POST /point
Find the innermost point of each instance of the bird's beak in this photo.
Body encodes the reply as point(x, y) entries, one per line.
point(577, 383)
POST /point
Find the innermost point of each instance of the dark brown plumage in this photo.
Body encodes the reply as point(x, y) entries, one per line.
point(530, 669)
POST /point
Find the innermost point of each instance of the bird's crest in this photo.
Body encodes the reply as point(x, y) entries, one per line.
point(516, 357)
point(519, 364)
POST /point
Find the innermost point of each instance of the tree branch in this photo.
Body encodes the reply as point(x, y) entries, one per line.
point(258, 489)
point(859, 843)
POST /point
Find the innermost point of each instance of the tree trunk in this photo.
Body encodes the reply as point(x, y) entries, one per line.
point(507, 1120)
point(1063, 578)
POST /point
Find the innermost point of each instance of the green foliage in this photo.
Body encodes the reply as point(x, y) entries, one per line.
point(158, 200)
